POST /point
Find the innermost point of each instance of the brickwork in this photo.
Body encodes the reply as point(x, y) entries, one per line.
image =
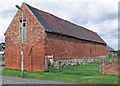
point(39, 44)
point(33, 46)
point(110, 67)
point(62, 47)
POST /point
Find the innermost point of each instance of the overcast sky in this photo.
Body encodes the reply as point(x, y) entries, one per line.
point(101, 16)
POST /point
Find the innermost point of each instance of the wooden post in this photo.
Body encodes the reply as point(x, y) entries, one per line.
point(46, 62)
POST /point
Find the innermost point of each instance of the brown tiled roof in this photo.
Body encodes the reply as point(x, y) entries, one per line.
point(57, 25)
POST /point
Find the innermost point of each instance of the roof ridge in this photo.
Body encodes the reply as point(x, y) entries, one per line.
point(52, 23)
point(61, 18)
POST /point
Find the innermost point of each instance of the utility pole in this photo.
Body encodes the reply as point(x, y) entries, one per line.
point(22, 46)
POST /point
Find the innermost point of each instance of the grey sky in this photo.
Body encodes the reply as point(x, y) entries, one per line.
point(100, 16)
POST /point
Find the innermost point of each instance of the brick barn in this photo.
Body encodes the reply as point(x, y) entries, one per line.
point(48, 35)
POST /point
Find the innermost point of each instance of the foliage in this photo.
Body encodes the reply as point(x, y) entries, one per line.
point(118, 52)
point(2, 46)
point(113, 58)
point(48, 62)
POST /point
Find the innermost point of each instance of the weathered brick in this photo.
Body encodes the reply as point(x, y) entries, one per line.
point(39, 43)
point(110, 67)
point(33, 46)
point(66, 47)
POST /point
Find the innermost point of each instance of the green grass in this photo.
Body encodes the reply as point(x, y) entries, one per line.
point(83, 70)
point(113, 58)
point(17, 73)
point(83, 74)
point(98, 79)
point(59, 76)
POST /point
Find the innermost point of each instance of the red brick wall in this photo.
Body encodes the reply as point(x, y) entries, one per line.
point(110, 67)
point(38, 44)
point(65, 47)
point(34, 44)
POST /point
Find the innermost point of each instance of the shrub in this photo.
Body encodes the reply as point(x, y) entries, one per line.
point(118, 52)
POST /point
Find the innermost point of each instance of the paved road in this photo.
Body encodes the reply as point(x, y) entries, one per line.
point(16, 80)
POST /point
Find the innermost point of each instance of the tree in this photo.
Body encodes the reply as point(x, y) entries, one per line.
point(118, 52)
point(2, 46)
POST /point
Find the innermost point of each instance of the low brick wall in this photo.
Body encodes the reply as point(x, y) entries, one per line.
point(110, 67)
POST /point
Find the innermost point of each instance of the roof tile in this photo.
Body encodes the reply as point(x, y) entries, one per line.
point(54, 24)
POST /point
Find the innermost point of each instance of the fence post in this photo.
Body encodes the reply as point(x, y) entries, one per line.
point(46, 62)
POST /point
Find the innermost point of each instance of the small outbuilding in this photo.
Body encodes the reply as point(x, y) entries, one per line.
point(111, 51)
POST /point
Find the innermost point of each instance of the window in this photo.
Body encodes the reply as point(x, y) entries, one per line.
point(22, 31)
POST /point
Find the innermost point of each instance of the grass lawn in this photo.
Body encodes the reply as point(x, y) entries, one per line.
point(113, 58)
point(82, 74)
